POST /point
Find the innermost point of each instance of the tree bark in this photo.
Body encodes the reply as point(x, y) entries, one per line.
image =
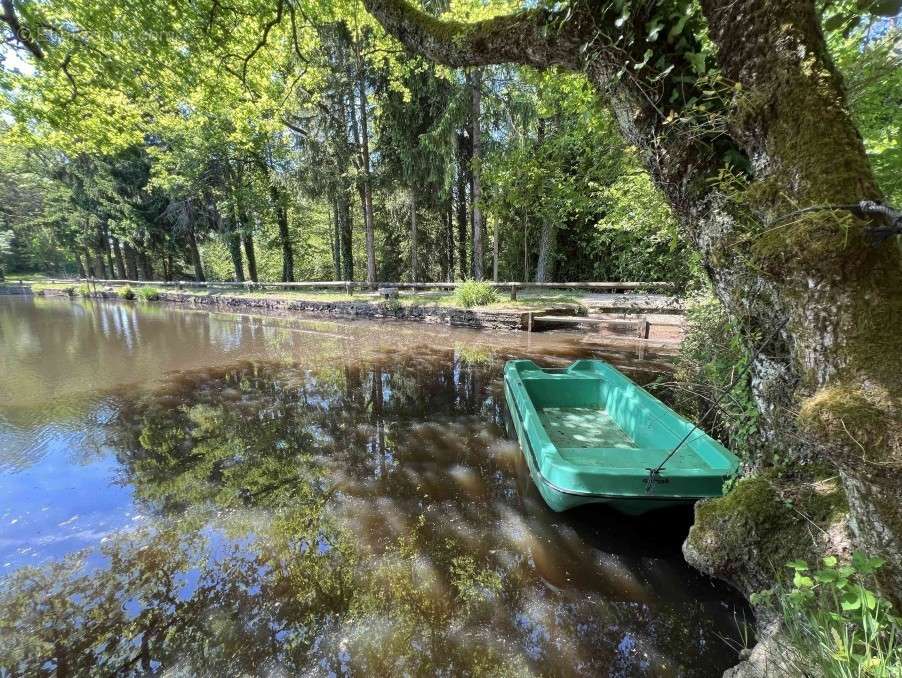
point(547, 234)
point(336, 239)
point(476, 173)
point(496, 253)
point(414, 272)
point(194, 254)
point(233, 241)
point(345, 230)
point(830, 386)
point(463, 162)
point(82, 273)
point(120, 261)
point(362, 136)
point(449, 240)
point(131, 261)
point(546, 245)
point(89, 262)
point(145, 264)
point(108, 246)
point(251, 255)
point(279, 205)
point(101, 249)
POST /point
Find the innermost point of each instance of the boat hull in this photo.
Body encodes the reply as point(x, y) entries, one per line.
point(591, 436)
point(560, 500)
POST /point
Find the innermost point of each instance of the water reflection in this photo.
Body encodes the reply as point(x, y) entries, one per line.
point(361, 514)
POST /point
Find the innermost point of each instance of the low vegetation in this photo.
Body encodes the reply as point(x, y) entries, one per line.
point(148, 294)
point(711, 355)
point(836, 623)
point(475, 293)
point(126, 293)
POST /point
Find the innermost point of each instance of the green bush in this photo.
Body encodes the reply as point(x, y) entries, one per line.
point(126, 293)
point(393, 305)
point(837, 625)
point(83, 290)
point(149, 293)
point(473, 293)
point(710, 356)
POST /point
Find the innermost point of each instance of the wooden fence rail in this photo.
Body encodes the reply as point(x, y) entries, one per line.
point(350, 286)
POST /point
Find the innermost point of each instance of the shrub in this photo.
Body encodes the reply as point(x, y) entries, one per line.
point(836, 623)
point(473, 293)
point(126, 293)
point(710, 356)
point(393, 305)
point(83, 290)
point(149, 293)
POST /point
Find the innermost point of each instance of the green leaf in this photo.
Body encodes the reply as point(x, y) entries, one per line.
point(826, 576)
point(645, 58)
point(870, 600)
point(850, 601)
point(837, 21)
point(678, 27)
point(830, 561)
point(798, 565)
point(802, 582)
point(697, 61)
point(654, 29)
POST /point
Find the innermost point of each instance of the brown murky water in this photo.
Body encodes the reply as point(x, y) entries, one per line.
point(198, 493)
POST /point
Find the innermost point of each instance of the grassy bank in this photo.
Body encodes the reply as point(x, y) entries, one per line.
point(526, 299)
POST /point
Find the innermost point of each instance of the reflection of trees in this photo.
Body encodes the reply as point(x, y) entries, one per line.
point(332, 520)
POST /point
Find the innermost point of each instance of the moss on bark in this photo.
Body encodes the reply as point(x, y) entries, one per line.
point(747, 536)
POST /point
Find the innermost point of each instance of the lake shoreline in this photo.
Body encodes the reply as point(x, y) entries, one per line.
point(498, 319)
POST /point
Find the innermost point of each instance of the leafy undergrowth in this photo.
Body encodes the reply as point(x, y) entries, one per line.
point(836, 623)
point(475, 293)
point(711, 355)
point(148, 293)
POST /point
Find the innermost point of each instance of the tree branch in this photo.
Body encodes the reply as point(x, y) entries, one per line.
point(536, 37)
point(21, 34)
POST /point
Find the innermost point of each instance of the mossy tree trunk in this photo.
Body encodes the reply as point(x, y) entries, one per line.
point(830, 386)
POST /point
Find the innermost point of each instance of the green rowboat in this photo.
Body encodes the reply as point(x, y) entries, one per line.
point(591, 435)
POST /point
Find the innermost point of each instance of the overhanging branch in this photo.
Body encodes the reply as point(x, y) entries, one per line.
point(536, 37)
point(21, 34)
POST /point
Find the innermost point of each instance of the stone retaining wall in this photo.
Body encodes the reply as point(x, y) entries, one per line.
point(477, 319)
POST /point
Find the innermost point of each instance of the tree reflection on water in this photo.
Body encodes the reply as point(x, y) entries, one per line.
point(368, 519)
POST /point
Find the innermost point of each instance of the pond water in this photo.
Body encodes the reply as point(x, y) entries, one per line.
point(204, 493)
